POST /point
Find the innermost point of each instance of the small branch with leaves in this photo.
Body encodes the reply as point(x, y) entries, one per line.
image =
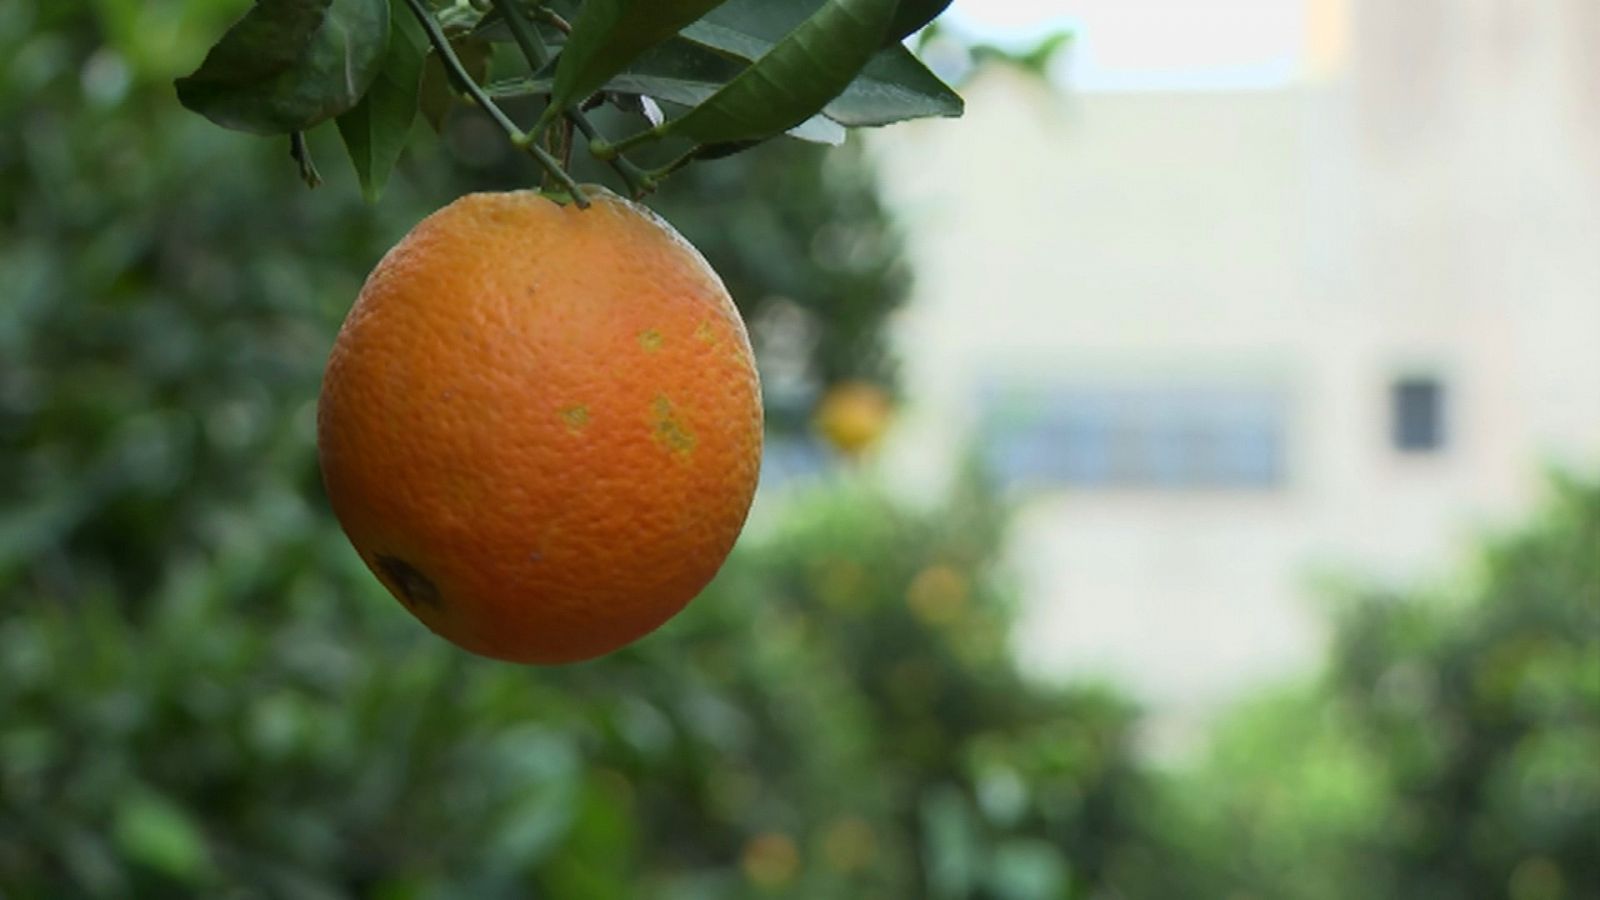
point(729, 77)
point(538, 56)
point(463, 81)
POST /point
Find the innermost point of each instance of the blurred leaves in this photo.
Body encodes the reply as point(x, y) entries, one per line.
point(1448, 751)
point(153, 833)
point(1478, 709)
point(201, 687)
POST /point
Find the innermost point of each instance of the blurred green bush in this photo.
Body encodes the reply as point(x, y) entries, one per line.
point(1450, 749)
point(203, 692)
point(836, 717)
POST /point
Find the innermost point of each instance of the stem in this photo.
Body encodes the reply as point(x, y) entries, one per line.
point(606, 151)
point(301, 154)
point(558, 141)
point(554, 18)
point(638, 182)
point(463, 81)
point(657, 175)
point(538, 56)
point(532, 47)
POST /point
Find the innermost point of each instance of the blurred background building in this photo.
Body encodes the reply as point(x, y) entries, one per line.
point(1271, 289)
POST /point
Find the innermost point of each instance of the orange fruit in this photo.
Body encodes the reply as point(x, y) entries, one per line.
point(540, 425)
point(853, 415)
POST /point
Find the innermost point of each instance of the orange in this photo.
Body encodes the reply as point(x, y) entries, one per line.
point(540, 425)
point(853, 416)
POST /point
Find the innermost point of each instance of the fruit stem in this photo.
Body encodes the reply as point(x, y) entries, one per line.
point(463, 81)
point(559, 142)
point(301, 154)
point(549, 15)
point(532, 47)
point(606, 150)
point(534, 50)
point(658, 175)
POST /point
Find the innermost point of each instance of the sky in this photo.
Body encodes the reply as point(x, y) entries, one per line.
point(1165, 45)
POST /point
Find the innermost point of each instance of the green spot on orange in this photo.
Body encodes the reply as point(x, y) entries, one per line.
point(667, 429)
point(575, 416)
point(651, 340)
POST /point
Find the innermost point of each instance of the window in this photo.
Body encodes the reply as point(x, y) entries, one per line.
point(1417, 415)
point(1182, 436)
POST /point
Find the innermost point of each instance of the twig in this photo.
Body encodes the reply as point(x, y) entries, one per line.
point(463, 81)
point(538, 56)
point(301, 154)
point(554, 18)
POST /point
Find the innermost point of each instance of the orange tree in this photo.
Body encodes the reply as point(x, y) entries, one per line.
point(201, 690)
point(540, 429)
point(683, 81)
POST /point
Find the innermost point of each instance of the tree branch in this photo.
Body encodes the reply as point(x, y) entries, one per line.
point(538, 56)
point(463, 81)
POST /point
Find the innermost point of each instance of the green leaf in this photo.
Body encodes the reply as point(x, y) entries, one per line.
point(685, 79)
point(289, 65)
point(912, 15)
point(819, 130)
point(892, 87)
point(677, 71)
point(375, 131)
point(747, 29)
point(437, 94)
point(609, 34)
point(815, 130)
point(795, 79)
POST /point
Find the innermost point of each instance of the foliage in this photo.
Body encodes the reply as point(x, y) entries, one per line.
point(201, 689)
point(1449, 750)
point(202, 692)
point(741, 71)
point(312, 742)
point(1483, 715)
